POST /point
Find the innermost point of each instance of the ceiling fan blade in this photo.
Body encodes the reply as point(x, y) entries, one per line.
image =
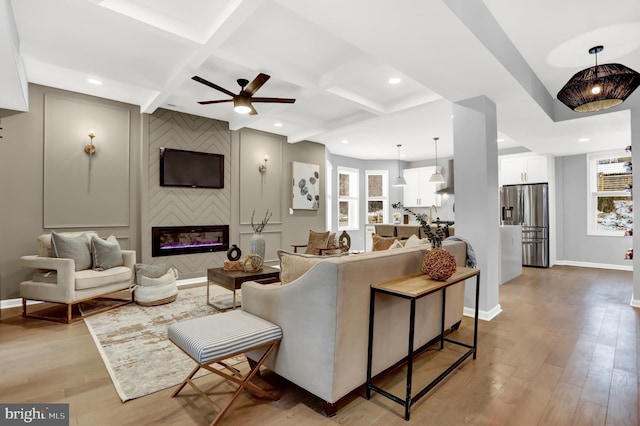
point(256, 84)
point(212, 85)
point(214, 102)
point(253, 110)
point(274, 100)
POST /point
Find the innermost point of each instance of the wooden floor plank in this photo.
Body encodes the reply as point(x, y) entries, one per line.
point(564, 351)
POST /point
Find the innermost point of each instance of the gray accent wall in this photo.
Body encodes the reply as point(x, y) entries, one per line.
point(573, 243)
point(23, 149)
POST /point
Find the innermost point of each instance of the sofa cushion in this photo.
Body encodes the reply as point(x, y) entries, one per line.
point(76, 248)
point(397, 244)
point(89, 278)
point(294, 265)
point(44, 242)
point(106, 253)
point(382, 243)
point(414, 241)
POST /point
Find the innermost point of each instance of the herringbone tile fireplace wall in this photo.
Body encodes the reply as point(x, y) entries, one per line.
point(174, 206)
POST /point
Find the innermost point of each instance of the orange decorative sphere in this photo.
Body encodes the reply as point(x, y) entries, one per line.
point(439, 264)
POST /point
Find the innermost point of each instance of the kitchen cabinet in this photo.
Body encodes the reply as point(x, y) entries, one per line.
point(524, 168)
point(419, 192)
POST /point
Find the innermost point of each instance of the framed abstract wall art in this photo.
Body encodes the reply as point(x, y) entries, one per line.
point(305, 193)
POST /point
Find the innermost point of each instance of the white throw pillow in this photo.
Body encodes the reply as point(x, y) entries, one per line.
point(396, 245)
point(294, 265)
point(413, 241)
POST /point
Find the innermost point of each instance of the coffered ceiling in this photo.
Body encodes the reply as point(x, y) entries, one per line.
point(336, 58)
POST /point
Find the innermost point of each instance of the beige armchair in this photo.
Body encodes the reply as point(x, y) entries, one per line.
point(63, 281)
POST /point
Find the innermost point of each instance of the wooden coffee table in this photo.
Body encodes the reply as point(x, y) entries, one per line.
point(232, 280)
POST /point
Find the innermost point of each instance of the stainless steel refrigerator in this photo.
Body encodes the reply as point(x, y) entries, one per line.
point(528, 205)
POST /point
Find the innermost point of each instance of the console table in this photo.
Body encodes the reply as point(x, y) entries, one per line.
point(413, 287)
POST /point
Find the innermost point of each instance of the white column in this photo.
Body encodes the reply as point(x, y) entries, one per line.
point(635, 157)
point(477, 219)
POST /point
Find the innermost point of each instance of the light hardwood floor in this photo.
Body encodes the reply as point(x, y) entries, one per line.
point(564, 351)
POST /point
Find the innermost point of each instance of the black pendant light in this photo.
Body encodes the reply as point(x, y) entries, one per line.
point(599, 87)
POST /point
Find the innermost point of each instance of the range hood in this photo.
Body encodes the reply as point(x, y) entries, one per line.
point(447, 187)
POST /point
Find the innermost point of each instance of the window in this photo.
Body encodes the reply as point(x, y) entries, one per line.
point(377, 189)
point(329, 191)
point(610, 205)
point(347, 198)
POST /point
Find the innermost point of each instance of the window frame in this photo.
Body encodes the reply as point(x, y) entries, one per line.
point(384, 197)
point(593, 193)
point(352, 199)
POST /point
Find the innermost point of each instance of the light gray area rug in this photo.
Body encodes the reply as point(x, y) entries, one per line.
point(134, 346)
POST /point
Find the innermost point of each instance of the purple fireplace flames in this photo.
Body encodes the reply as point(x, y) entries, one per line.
point(175, 240)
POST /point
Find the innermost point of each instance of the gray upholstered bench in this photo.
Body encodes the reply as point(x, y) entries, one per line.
point(214, 338)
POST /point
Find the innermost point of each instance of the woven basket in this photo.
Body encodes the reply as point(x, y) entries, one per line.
point(158, 302)
point(439, 264)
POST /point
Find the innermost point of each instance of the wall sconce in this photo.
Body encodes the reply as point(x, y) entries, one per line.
point(263, 167)
point(90, 148)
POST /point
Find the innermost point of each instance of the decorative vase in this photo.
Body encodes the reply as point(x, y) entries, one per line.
point(257, 244)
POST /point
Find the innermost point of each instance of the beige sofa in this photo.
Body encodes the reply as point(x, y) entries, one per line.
point(56, 280)
point(324, 316)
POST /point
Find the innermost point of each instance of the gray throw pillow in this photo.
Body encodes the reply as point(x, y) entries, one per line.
point(106, 254)
point(76, 248)
point(150, 271)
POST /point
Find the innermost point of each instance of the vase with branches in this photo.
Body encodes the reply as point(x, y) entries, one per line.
point(436, 237)
point(258, 245)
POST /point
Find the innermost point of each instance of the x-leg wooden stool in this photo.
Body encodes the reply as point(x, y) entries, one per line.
point(215, 338)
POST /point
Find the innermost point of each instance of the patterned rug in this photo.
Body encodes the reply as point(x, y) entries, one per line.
point(133, 342)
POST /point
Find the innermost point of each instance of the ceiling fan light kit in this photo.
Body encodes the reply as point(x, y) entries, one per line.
point(599, 87)
point(243, 101)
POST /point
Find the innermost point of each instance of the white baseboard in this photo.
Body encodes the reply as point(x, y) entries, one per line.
point(483, 315)
point(14, 303)
point(635, 303)
point(595, 265)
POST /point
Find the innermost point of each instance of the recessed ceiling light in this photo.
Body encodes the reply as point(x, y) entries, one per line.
point(500, 140)
point(345, 141)
point(583, 140)
point(395, 80)
point(94, 81)
point(277, 124)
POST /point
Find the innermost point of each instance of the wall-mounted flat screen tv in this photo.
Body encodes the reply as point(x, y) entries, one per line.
point(190, 168)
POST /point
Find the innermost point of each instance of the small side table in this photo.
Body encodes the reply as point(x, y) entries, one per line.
point(413, 287)
point(232, 280)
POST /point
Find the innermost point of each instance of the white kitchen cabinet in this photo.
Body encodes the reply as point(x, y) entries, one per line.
point(419, 192)
point(523, 168)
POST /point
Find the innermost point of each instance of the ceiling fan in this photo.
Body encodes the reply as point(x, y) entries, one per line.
point(242, 102)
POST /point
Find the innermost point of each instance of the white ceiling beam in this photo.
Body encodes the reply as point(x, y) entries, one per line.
point(230, 19)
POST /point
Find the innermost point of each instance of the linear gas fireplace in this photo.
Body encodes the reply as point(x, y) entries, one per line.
point(174, 240)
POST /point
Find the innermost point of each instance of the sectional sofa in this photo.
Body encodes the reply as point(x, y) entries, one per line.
point(324, 316)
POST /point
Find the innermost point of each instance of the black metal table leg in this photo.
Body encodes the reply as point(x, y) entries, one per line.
point(475, 319)
point(412, 327)
point(372, 305)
